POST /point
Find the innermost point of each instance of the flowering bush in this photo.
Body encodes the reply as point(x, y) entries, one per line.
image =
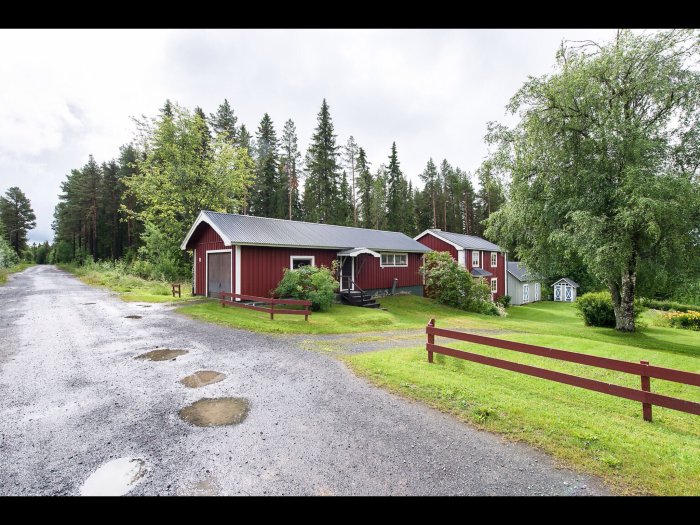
point(689, 320)
point(315, 284)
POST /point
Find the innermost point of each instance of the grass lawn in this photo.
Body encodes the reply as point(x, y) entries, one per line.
point(5, 272)
point(129, 287)
point(592, 432)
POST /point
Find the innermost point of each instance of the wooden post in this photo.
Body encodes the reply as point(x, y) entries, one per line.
point(306, 312)
point(272, 310)
point(646, 386)
point(431, 340)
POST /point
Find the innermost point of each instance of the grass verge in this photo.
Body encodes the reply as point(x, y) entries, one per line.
point(5, 272)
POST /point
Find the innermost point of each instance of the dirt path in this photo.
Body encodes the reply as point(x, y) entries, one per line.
point(74, 399)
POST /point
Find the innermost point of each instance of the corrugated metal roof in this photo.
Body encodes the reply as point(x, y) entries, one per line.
point(246, 229)
point(480, 272)
point(567, 280)
point(471, 242)
point(518, 271)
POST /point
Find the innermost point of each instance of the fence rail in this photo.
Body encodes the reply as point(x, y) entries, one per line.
point(233, 299)
point(642, 369)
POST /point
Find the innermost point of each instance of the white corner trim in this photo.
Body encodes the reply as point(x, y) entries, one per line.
point(429, 232)
point(206, 266)
point(200, 219)
point(238, 270)
point(293, 258)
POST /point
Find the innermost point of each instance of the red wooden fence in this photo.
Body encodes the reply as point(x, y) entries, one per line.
point(266, 300)
point(643, 369)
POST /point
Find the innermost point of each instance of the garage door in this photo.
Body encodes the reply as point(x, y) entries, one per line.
point(218, 273)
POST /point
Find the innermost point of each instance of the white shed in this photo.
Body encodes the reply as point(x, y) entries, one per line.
point(565, 290)
point(523, 287)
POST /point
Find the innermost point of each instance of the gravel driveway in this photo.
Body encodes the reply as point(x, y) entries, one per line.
point(73, 398)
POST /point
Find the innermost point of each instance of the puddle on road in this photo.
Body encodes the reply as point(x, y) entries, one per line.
point(114, 478)
point(132, 317)
point(85, 304)
point(145, 305)
point(209, 412)
point(162, 355)
point(202, 378)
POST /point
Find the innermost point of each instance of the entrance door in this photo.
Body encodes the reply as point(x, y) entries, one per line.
point(526, 293)
point(218, 273)
point(347, 270)
point(568, 294)
point(557, 292)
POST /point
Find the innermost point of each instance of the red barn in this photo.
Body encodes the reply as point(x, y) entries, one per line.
point(482, 258)
point(247, 255)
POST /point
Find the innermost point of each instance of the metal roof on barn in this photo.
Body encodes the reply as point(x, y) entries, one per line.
point(470, 242)
point(518, 270)
point(263, 231)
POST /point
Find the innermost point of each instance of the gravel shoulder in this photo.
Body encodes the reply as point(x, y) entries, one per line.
point(75, 398)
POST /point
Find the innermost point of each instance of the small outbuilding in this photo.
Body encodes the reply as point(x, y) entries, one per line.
point(565, 290)
point(523, 286)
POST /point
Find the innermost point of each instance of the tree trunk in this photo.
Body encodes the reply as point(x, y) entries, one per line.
point(623, 301)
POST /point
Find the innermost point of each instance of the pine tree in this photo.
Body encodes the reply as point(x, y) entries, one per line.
point(444, 179)
point(290, 166)
point(379, 197)
point(223, 122)
point(245, 140)
point(490, 196)
point(321, 191)
point(350, 158)
point(396, 194)
point(365, 183)
point(167, 109)
point(205, 133)
point(17, 218)
point(430, 180)
point(345, 212)
point(266, 193)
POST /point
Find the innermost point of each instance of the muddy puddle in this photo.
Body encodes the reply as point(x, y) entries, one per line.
point(132, 317)
point(85, 304)
point(114, 478)
point(216, 412)
point(164, 354)
point(202, 378)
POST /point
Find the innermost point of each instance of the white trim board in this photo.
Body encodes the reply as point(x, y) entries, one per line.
point(206, 265)
point(200, 219)
point(238, 270)
point(429, 232)
point(292, 258)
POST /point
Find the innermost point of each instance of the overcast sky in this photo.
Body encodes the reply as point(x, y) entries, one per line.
point(66, 94)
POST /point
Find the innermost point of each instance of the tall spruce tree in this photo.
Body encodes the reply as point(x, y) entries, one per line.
point(396, 194)
point(290, 169)
point(17, 218)
point(379, 199)
point(266, 194)
point(490, 196)
point(365, 183)
point(245, 140)
point(223, 122)
point(321, 191)
point(350, 158)
point(430, 181)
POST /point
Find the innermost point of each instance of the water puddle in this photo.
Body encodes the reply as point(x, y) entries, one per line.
point(202, 378)
point(85, 304)
point(132, 317)
point(216, 412)
point(164, 354)
point(114, 478)
point(145, 305)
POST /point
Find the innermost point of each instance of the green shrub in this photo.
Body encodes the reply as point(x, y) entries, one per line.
point(689, 320)
point(8, 257)
point(315, 284)
point(450, 284)
point(666, 305)
point(504, 301)
point(596, 308)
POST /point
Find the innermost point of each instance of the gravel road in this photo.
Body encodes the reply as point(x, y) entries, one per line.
point(72, 398)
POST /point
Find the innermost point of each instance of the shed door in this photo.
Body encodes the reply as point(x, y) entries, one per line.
point(526, 293)
point(537, 291)
point(557, 292)
point(219, 273)
point(569, 298)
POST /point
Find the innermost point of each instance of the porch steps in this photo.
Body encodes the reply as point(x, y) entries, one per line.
point(356, 298)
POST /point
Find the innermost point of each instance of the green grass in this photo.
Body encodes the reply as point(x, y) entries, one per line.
point(590, 431)
point(129, 287)
point(403, 312)
point(5, 272)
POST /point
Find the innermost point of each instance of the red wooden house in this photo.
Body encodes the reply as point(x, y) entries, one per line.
point(247, 255)
point(482, 258)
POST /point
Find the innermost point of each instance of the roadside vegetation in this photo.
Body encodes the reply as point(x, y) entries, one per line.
point(114, 275)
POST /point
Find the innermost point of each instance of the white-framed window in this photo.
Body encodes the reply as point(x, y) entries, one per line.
point(475, 258)
point(297, 261)
point(494, 259)
point(494, 284)
point(394, 259)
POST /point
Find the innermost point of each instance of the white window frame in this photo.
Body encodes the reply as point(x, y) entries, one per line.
point(475, 265)
point(494, 284)
point(293, 258)
point(381, 260)
point(494, 259)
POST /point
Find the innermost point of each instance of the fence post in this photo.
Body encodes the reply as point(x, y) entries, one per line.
point(646, 386)
point(272, 309)
point(431, 340)
point(306, 313)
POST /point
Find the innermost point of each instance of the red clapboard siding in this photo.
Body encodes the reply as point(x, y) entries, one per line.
point(438, 245)
point(372, 276)
point(262, 266)
point(498, 271)
point(205, 238)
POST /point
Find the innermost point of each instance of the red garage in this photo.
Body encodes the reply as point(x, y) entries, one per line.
point(247, 255)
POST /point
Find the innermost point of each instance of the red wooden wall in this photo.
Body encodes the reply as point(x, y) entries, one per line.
point(205, 238)
point(262, 267)
point(438, 245)
point(373, 276)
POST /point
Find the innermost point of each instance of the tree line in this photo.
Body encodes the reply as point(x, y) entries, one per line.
point(141, 204)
